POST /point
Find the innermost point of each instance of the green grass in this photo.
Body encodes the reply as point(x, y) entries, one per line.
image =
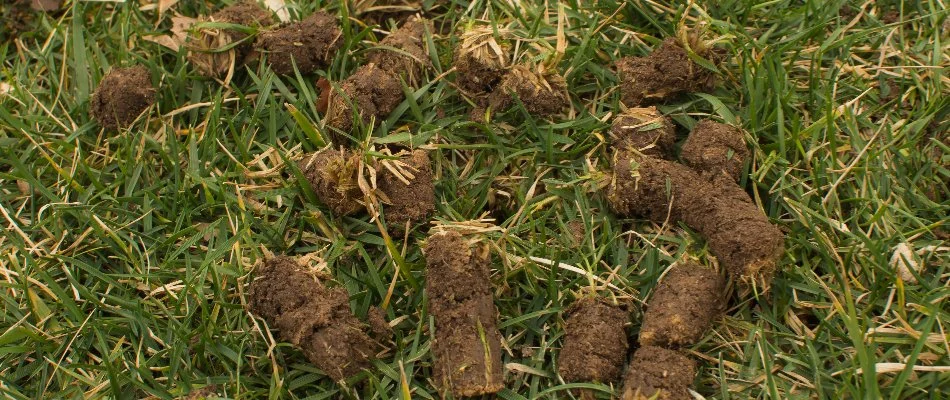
point(124, 257)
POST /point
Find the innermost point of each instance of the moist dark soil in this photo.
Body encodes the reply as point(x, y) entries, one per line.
point(715, 149)
point(312, 317)
point(595, 344)
point(204, 46)
point(121, 96)
point(738, 233)
point(683, 307)
point(644, 130)
point(310, 43)
point(467, 343)
point(332, 175)
point(665, 73)
point(413, 202)
point(373, 91)
point(543, 95)
point(655, 371)
point(403, 53)
point(478, 73)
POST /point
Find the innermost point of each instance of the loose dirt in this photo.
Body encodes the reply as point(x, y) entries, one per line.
point(310, 43)
point(714, 149)
point(683, 306)
point(123, 94)
point(332, 174)
point(595, 344)
point(542, 94)
point(205, 45)
point(403, 53)
point(480, 62)
point(411, 201)
point(312, 317)
point(655, 371)
point(373, 91)
point(644, 130)
point(666, 72)
point(467, 343)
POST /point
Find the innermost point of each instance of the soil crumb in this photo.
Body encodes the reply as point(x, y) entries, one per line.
point(123, 94)
point(332, 175)
point(655, 371)
point(714, 149)
point(377, 12)
point(595, 345)
point(683, 306)
point(467, 343)
point(403, 53)
point(665, 73)
point(480, 62)
point(204, 46)
point(644, 130)
point(543, 94)
point(376, 319)
point(310, 43)
point(312, 317)
point(410, 199)
point(738, 233)
point(373, 91)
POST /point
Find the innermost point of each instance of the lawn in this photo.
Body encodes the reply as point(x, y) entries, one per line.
point(125, 256)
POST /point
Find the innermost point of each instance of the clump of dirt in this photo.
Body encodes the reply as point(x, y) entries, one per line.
point(123, 94)
point(542, 93)
point(205, 46)
point(480, 62)
point(683, 306)
point(738, 233)
point(403, 52)
point(46, 5)
point(376, 12)
point(655, 371)
point(374, 92)
point(714, 149)
point(595, 344)
point(644, 130)
point(467, 343)
point(377, 323)
point(407, 189)
point(666, 72)
point(310, 44)
point(313, 317)
point(332, 175)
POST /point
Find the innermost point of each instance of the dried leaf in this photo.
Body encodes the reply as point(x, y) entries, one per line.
point(46, 5)
point(279, 8)
point(179, 33)
point(5, 88)
point(904, 260)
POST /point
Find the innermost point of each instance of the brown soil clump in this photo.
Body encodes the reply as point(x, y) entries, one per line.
point(543, 94)
point(595, 345)
point(683, 307)
point(46, 5)
point(403, 52)
point(644, 130)
point(332, 175)
point(310, 43)
point(467, 343)
point(373, 91)
point(121, 96)
point(376, 12)
point(312, 317)
point(655, 371)
point(666, 72)
point(738, 233)
point(411, 200)
point(480, 62)
point(714, 149)
point(204, 46)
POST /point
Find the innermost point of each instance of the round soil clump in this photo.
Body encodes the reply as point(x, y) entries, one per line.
point(122, 96)
point(480, 62)
point(204, 46)
point(403, 53)
point(332, 174)
point(713, 149)
point(373, 91)
point(595, 344)
point(543, 94)
point(310, 44)
point(655, 371)
point(683, 307)
point(666, 72)
point(410, 196)
point(644, 130)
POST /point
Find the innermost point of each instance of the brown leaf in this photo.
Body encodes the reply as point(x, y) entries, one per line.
point(179, 33)
point(46, 5)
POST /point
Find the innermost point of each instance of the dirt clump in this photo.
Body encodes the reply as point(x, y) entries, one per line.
point(467, 344)
point(655, 371)
point(122, 95)
point(738, 233)
point(376, 12)
point(683, 306)
point(332, 174)
point(480, 62)
point(714, 149)
point(374, 92)
point(408, 189)
point(403, 53)
point(666, 72)
point(595, 344)
point(205, 46)
point(312, 317)
point(542, 93)
point(644, 130)
point(377, 323)
point(310, 43)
